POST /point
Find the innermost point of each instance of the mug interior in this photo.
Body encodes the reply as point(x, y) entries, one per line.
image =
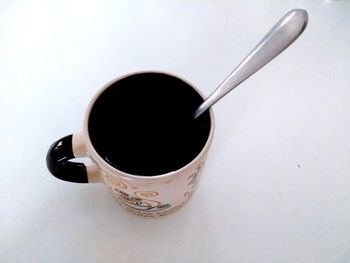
point(142, 124)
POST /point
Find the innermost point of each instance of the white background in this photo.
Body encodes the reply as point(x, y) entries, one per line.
point(276, 187)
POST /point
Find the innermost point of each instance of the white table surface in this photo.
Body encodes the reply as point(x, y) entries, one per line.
point(276, 187)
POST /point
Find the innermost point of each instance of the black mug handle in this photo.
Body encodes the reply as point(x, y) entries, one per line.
point(58, 161)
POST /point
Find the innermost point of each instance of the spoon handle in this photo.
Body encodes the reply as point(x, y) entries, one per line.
point(284, 33)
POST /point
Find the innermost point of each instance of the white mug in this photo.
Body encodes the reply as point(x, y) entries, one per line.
point(144, 195)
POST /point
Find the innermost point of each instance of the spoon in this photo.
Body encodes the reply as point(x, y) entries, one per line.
point(284, 33)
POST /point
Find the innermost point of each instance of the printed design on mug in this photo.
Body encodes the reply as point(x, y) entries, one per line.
point(141, 194)
point(188, 194)
point(194, 177)
point(138, 202)
point(116, 183)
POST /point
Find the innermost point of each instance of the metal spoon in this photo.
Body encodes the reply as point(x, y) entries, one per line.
point(284, 33)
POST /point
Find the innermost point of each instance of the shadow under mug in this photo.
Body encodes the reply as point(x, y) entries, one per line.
point(144, 144)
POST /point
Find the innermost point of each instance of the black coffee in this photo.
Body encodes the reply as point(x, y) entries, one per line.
point(143, 124)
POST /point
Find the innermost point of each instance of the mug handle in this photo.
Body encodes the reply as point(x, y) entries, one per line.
point(58, 161)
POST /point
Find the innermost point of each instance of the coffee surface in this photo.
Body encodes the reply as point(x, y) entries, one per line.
point(143, 124)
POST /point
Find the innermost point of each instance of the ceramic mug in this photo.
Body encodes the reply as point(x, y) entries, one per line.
point(131, 133)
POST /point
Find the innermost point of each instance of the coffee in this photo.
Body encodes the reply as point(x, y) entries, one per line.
point(143, 124)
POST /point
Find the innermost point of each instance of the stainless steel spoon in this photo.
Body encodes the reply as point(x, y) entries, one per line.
point(284, 33)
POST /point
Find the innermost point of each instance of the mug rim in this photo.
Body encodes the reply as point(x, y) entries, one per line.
point(103, 165)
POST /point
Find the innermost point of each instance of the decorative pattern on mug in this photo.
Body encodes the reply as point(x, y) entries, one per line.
point(139, 203)
point(116, 183)
point(194, 177)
